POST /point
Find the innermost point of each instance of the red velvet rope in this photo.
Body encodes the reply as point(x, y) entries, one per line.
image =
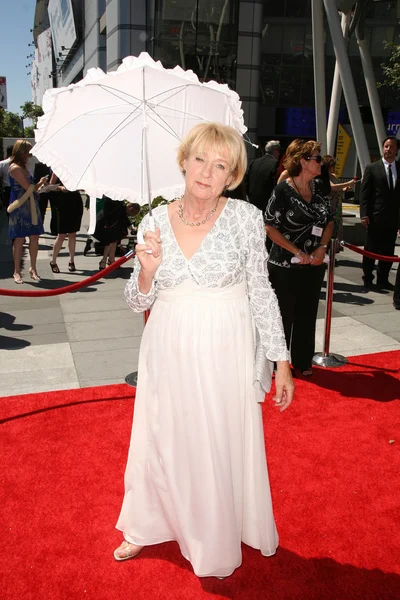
point(395, 259)
point(74, 286)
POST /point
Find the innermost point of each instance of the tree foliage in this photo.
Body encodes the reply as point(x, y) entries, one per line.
point(10, 124)
point(391, 68)
point(145, 209)
point(29, 131)
point(31, 111)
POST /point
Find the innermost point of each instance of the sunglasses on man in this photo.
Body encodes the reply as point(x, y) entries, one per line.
point(318, 158)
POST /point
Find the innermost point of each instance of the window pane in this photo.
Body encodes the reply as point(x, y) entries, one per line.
point(307, 87)
point(290, 87)
point(269, 83)
point(272, 40)
point(272, 8)
point(298, 8)
point(201, 36)
point(293, 45)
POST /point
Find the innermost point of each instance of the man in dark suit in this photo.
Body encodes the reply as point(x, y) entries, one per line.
point(261, 177)
point(379, 212)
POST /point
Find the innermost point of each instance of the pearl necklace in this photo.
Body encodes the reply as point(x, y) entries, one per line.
point(208, 217)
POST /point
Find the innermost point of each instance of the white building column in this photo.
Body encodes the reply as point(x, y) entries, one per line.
point(336, 95)
point(126, 30)
point(94, 40)
point(347, 83)
point(372, 90)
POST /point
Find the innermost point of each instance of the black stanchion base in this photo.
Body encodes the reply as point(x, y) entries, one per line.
point(131, 379)
point(329, 360)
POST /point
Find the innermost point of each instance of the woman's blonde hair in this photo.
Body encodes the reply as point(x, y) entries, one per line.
point(297, 150)
point(19, 149)
point(221, 137)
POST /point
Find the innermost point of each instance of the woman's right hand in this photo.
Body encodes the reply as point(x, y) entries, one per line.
point(41, 183)
point(303, 258)
point(150, 261)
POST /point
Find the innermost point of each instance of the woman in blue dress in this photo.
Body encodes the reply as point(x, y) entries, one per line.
point(20, 223)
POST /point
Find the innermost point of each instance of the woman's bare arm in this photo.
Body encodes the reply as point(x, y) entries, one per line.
point(19, 175)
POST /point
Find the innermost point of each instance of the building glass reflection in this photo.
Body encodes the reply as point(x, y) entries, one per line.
point(200, 35)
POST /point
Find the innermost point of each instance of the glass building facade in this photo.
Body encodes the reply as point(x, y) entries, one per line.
point(203, 36)
point(261, 48)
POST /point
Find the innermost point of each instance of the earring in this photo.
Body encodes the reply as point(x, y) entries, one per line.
point(184, 171)
point(226, 187)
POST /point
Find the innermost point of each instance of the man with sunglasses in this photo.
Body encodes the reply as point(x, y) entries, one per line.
point(379, 212)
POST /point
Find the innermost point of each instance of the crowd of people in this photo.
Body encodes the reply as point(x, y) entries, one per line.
point(25, 196)
point(379, 206)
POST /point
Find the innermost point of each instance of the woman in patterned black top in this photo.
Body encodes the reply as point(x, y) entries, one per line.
point(300, 224)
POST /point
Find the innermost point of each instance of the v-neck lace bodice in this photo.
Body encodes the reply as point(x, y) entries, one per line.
point(206, 235)
point(233, 251)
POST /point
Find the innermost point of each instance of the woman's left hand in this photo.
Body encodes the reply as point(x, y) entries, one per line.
point(317, 257)
point(284, 386)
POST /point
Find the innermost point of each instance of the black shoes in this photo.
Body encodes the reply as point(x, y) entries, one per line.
point(385, 286)
point(382, 286)
point(396, 306)
point(87, 247)
point(368, 283)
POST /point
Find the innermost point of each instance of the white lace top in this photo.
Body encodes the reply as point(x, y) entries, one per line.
point(232, 251)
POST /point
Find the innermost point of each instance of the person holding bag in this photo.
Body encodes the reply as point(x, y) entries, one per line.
point(299, 221)
point(25, 219)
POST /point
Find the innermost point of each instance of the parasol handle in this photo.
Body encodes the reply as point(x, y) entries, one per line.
point(151, 227)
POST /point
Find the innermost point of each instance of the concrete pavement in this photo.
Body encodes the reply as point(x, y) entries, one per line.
point(92, 338)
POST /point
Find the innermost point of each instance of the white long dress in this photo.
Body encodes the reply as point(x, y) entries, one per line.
point(197, 469)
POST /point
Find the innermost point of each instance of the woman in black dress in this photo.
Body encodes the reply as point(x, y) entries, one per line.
point(300, 224)
point(112, 226)
point(68, 207)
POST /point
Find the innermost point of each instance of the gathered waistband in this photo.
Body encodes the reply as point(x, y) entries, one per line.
point(190, 289)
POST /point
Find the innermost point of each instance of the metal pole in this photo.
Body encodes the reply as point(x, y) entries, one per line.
point(131, 379)
point(372, 90)
point(319, 71)
point(324, 359)
point(347, 83)
point(336, 96)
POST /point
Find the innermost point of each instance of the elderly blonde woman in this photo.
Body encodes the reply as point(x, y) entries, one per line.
point(25, 220)
point(300, 224)
point(196, 469)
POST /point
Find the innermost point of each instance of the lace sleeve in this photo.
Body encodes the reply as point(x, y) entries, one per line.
point(263, 302)
point(137, 301)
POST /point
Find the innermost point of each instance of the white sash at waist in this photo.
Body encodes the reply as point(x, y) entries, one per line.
point(190, 289)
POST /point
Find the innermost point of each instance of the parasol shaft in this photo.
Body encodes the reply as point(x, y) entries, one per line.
point(145, 183)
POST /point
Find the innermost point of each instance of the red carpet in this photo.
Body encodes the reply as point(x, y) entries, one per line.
point(334, 475)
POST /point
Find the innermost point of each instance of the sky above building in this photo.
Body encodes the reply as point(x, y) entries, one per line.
point(16, 22)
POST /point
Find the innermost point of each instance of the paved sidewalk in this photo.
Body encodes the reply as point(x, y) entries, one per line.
point(91, 337)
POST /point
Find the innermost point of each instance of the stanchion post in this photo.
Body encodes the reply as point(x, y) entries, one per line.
point(324, 359)
point(131, 379)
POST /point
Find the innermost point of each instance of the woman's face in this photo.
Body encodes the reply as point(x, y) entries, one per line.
point(310, 166)
point(207, 173)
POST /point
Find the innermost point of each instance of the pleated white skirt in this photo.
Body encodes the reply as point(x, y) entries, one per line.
point(196, 470)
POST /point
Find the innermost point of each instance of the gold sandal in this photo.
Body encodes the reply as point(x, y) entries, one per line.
point(125, 546)
point(34, 275)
